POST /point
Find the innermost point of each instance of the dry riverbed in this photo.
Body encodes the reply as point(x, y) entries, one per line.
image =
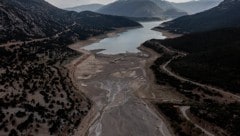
point(113, 83)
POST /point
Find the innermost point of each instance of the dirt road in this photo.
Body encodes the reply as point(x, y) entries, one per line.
point(184, 110)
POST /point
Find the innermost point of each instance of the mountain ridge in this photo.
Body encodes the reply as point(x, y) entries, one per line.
point(224, 15)
point(193, 7)
point(141, 8)
point(28, 19)
point(89, 7)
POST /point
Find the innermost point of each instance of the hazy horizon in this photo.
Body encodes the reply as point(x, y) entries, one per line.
point(72, 3)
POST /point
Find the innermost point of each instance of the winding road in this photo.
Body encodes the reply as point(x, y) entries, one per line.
point(166, 69)
point(184, 110)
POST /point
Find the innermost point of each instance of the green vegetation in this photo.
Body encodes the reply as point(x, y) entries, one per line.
point(37, 90)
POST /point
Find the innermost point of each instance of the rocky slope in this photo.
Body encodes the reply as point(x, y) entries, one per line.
point(38, 95)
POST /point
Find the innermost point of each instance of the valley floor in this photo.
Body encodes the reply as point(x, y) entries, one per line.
point(114, 84)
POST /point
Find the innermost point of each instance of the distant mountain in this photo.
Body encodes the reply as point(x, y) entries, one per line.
point(141, 8)
point(169, 10)
point(132, 8)
point(193, 7)
point(90, 7)
point(163, 4)
point(224, 15)
point(26, 19)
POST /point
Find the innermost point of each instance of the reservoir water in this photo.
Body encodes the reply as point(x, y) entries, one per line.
point(127, 41)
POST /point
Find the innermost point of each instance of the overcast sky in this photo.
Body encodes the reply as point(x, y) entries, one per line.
point(72, 3)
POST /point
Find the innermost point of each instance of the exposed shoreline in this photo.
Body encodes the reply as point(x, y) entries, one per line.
point(167, 33)
point(113, 82)
point(103, 66)
point(84, 127)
